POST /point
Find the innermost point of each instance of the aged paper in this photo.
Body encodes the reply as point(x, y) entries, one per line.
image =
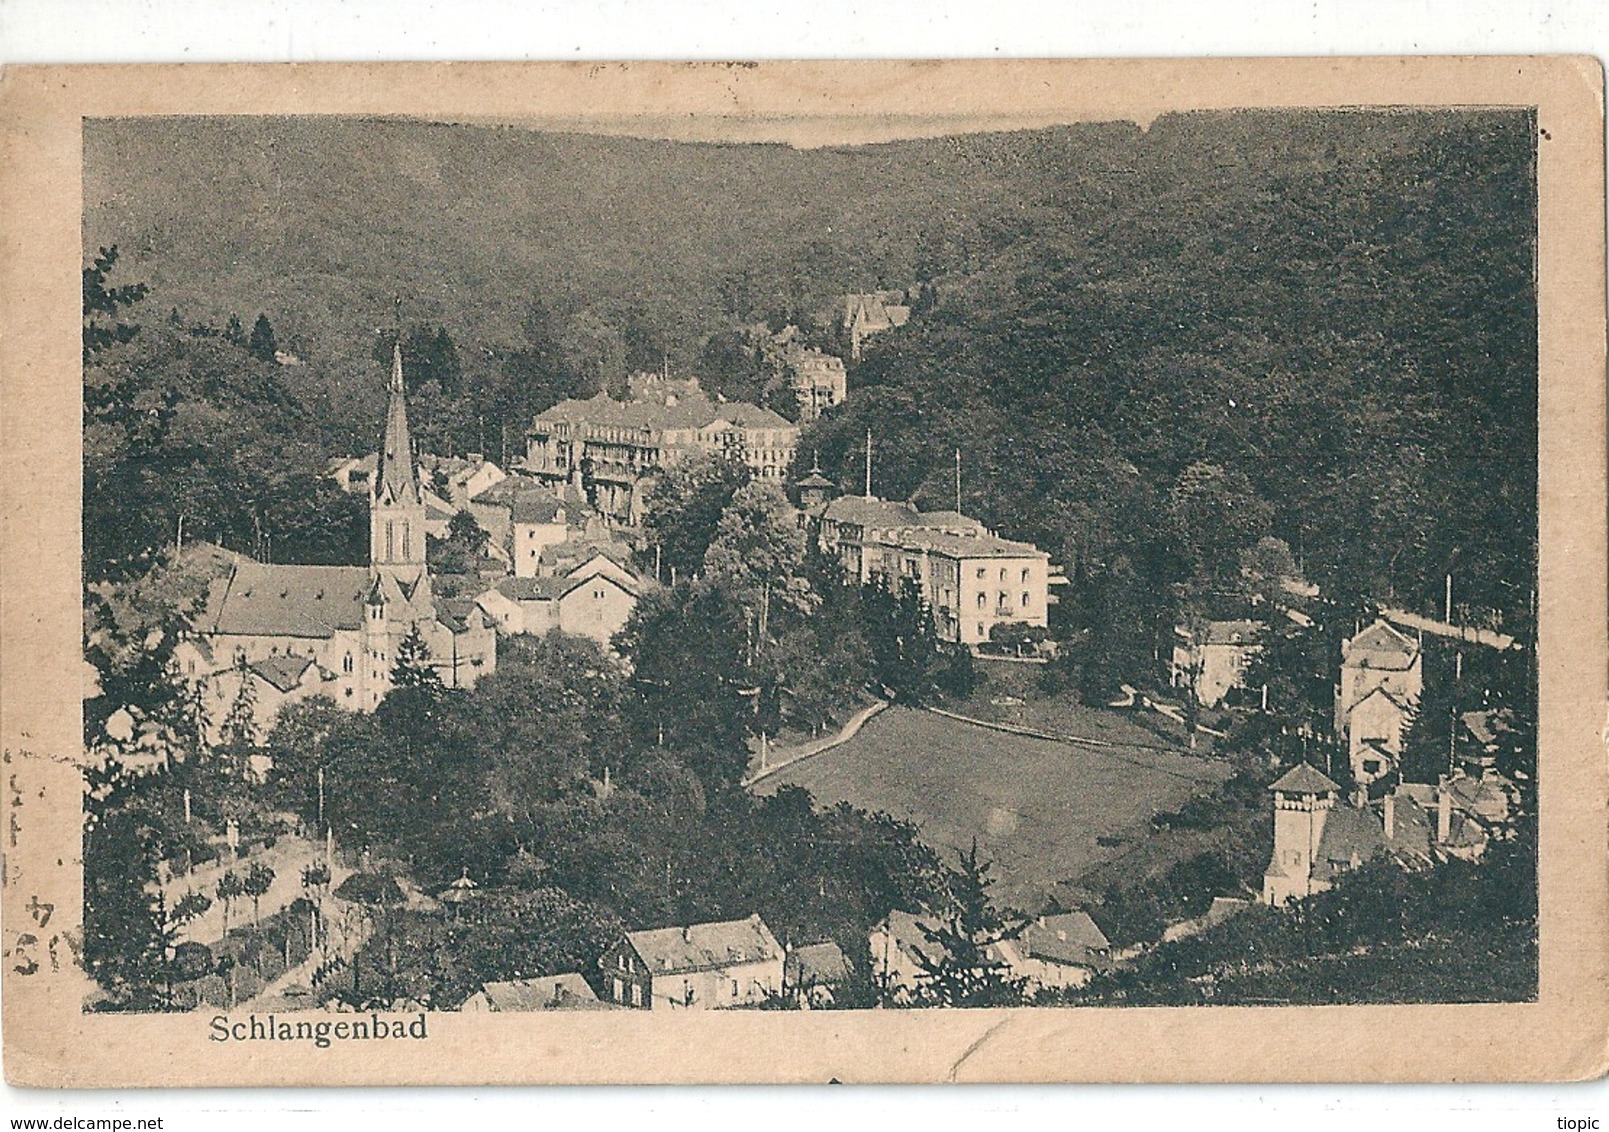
point(71, 134)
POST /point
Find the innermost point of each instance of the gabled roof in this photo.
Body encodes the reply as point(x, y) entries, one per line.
point(816, 480)
point(536, 508)
point(1378, 693)
point(258, 599)
point(704, 947)
point(1380, 646)
point(816, 964)
point(1351, 835)
point(957, 546)
point(579, 551)
point(1070, 938)
point(1304, 778)
point(532, 589)
point(458, 613)
point(1231, 632)
point(872, 514)
point(905, 929)
point(568, 991)
point(283, 672)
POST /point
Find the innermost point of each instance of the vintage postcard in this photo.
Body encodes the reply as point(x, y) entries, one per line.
point(876, 572)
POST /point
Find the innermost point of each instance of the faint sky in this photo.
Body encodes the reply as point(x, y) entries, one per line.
point(802, 132)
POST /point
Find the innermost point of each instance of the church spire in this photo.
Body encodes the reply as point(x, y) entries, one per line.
point(395, 480)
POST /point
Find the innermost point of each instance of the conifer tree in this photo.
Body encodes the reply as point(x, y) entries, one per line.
point(413, 668)
point(958, 969)
point(262, 345)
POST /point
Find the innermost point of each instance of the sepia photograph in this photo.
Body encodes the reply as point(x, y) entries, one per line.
point(652, 563)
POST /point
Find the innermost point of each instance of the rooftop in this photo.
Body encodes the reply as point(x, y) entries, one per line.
point(1380, 646)
point(702, 947)
point(694, 411)
point(1231, 632)
point(957, 545)
point(1070, 938)
point(568, 991)
point(283, 672)
point(1304, 778)
point(258, 599)
point(816, 964)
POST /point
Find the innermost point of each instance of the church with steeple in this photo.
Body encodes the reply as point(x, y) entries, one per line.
point(296, 631)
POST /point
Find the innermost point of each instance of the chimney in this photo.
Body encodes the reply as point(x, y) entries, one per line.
point(1391, 816)
point(1444, 812)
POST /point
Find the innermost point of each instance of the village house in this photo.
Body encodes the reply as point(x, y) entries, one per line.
point(712, 966)
point(972, 579)
point(898, 946)
point(347, 621)
point(522, 517)
point(1382, 676)
point(814, 972)
point(818, 379)
point(1212, 658)
point(568, 991)
point(612, 449)
point(1055, 952)
point(873, 313)
point(460, 479)
point(1318, 835)
point(593, 602)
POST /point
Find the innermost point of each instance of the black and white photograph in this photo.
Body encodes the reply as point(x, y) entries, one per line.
point(1052, 567)
point(1083, 565)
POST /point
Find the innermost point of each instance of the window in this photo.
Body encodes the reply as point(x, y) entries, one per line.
point(1025, 575)
point(1002, 573)
point(981, 573)
point(346, 664)
point(407, 543)
point(636, 994)
point(1025, 599)
point(621, 959)
point(734, 988)
point(390, 543)
point(620, 991)
point(983, 601)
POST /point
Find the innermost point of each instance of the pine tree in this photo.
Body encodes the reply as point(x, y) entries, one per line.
point(239, 727)
point(413, 668)
point(262, 345)
point(960, 971)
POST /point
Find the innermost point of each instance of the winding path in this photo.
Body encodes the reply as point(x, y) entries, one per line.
point(790, 755)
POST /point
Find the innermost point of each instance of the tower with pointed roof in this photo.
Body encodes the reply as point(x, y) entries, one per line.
point(399, 595)
point(1303, 800)
point(397, 505)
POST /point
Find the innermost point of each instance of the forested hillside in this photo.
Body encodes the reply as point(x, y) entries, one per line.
point(1152, 347)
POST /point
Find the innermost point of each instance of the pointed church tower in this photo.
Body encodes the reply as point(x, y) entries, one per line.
point(397, 507)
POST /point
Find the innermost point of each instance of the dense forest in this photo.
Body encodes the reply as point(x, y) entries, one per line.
point(1313, 325)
